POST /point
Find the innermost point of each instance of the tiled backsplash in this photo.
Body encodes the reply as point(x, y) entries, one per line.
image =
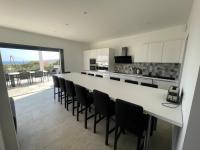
point(170, 70)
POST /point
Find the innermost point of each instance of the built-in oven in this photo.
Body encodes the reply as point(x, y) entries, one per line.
point(93, 68)
point(93, 65)
point(92, 61)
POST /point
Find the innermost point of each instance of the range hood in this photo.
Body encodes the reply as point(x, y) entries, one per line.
point(124, 58)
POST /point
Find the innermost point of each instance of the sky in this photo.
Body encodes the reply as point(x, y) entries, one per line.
point(26, 55)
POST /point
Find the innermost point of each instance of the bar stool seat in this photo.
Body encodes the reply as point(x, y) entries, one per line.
point(56, 87)
point(84, 99)
point(105, 107)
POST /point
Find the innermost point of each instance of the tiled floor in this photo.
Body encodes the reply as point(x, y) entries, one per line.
point(44, 124)
point(25, 88)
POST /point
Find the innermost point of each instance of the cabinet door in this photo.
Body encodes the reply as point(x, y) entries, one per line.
point(164, 84)
point(93, 54)
point(102, 55)
point(86, 58)
point(145, 80)
point(141, 54)
point(155, 52)
point(172, 51)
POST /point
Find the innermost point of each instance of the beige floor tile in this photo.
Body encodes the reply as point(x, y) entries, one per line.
point(44, 124)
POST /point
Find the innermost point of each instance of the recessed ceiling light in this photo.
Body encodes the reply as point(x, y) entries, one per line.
point(67, 24)
point(85, 12)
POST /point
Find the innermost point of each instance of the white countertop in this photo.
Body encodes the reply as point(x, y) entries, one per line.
point(13, 73)
point(132, 75)
point(149, 98)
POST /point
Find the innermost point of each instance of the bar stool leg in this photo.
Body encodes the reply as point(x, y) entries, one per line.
point(95, 118)
point(107, 129)
point(86, 109)
point(146, 145)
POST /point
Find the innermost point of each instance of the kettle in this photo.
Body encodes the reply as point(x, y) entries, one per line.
point(138, 71)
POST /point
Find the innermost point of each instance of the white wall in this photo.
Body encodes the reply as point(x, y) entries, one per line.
point(72, 50)
point(192, 134)
point(1, 141)
point(6, 119)
point(134, 42)
point(190, 73)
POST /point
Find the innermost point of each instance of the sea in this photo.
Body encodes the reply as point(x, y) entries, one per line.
point(16, 62)
point(5, 62)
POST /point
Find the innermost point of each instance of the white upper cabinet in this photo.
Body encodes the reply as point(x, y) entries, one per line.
point(86, 58)
point(172, 51)
point(93, 54)
point(160, 52)
point(141, 54)
point(155, 52)
point(102, 54)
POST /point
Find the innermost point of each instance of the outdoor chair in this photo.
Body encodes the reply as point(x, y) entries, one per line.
point(8, 81)
point(25, 76)
point(39, 74)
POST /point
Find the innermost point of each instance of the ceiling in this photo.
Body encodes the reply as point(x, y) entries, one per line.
point(92, 20)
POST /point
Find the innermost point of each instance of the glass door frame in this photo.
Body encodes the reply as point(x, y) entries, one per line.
point(38, 48)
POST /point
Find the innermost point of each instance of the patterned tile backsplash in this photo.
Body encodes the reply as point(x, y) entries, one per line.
point(170, 70)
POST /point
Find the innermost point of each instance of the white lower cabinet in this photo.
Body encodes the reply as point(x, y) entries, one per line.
point(165, 84)
point(162, 84)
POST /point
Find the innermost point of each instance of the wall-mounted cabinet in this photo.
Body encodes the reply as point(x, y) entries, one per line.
point(102, 55)
point(172, 51)
point(160, 52)
point(141, 54)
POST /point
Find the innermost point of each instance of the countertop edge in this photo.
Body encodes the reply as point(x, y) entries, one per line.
point(133, 75)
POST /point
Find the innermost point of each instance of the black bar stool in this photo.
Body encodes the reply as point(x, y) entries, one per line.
point(90, 74)
point(83, 73)
point(62, 89)
point(149, 85)
point(70, 91)
point(115, 78)
point(104, 107)
point(84, 99)
point(98, 75)
point(67, 72)
point(56, 86)
point(130, 117)
point(131, 81)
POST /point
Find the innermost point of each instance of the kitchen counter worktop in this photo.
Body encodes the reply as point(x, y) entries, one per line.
point(150, 99)
point(131, 75)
